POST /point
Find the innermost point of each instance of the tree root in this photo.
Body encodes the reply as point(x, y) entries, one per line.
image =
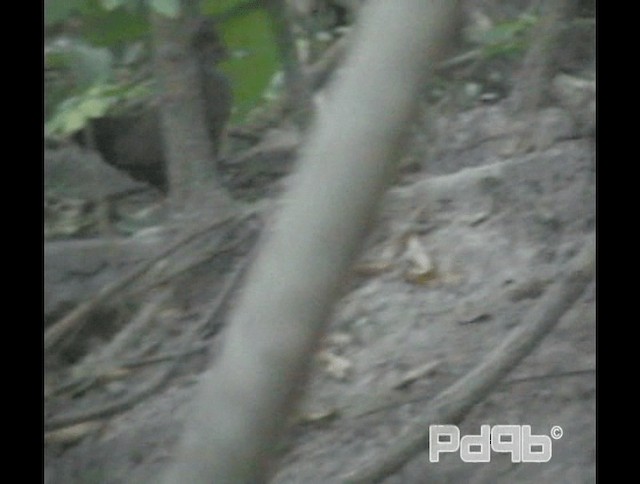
point(453, 404)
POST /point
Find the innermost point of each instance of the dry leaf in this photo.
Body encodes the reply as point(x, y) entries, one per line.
point(72, 434)
point(325, 415)
point(336, 366)
point(422, 268)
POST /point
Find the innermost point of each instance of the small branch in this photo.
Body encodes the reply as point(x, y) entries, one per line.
point(75, 319)
point(189, 348)
point(122, 404)
point(113, 408)
point(223, 297)
point(392, 399)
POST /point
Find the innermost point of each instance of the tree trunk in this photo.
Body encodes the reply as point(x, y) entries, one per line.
point(241, 408)
point(534, 78)
point(185, 114)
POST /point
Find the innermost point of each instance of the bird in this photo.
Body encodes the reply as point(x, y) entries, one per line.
point(133, 141)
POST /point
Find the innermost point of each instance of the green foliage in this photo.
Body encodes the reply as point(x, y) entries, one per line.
point(220, 7)
point(103, 38)
point(170, 8)
point(112, 4)
point(506, 38)
point(100, 22)
point(56, 11)
point(81, 86)
point(73, 114)
point(254, 58)
point(71, 68)
point(113, 28)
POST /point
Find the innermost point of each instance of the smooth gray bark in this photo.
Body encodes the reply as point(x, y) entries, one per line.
point(241, 407)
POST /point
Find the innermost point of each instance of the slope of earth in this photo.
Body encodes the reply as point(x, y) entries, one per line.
point(466, 246)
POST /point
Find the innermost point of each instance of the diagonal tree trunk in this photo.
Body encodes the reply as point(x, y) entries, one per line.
point(241, 408)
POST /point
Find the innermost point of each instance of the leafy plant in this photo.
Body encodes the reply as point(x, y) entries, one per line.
point(253, 61)
point(506, 38)
point(100, 39)
point(82, 82)
point(73, 114)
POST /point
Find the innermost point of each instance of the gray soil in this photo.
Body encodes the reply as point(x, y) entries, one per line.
point(465, 247)
point(472, 235)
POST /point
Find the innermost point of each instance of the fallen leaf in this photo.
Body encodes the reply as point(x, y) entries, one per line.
point(325, 415)
point(72, 434)
point(336, 366)
point(421, 269)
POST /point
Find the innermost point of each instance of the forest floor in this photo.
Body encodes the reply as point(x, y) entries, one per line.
point(445, 276)
point(472, 235)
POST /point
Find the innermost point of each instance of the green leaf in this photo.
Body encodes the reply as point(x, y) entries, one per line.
point(169, 8)
point(115, 27)
point(507, 32)
point(74, 113)
point(55, 59)
point(216, 7)
point(503, 50)
point(254, 58)
point(94, 107)
point(67, 120)
point(111, 4)
point(60, 10)
point(506, 38)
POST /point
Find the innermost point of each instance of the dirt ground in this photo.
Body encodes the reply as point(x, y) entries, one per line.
point(445, 276)
point(475, 231)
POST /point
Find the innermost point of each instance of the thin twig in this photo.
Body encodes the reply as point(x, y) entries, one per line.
point(87, 373)
point(189, 348)
point(75, 319)
point(128, 401)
